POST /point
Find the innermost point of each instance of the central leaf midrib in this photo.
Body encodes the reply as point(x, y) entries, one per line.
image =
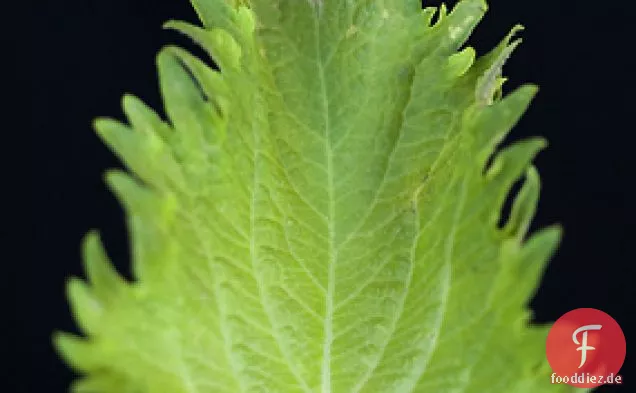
point(331, 250)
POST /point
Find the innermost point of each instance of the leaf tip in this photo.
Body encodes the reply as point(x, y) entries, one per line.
point(170, 25)
point(523, 95)
point(128, 100)
point(99, 123)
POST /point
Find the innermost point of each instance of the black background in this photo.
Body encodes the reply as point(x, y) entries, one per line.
point(93, 51)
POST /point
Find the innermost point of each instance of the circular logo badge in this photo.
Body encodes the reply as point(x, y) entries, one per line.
point(586, 348)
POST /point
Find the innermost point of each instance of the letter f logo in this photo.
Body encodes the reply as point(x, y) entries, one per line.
point(583, 329)
point(583, 346)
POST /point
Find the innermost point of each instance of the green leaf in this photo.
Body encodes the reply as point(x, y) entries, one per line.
point(320, 215)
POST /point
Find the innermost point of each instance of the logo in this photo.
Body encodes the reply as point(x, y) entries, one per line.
point(586, 348)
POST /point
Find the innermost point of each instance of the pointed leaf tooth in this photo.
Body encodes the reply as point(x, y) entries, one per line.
point(246, 20)
point(159, 137)
point(427, 15)
point(219, 44)
point(209, 91)
point(87, 308)
point(138, 151)
point(539, 247)
point(442, 13)
point(215, 13)
point(461, 22)
point(535, 254)
point(136, 198)
point(215, 94)
point(144, 119)
point(211, 81)
point(492, 123)
point(189, 112)
point(530, 264)
point(485, 62)
point(490, 82)
point(152, 250)
point(487, 68)
point(524, 206)
point(78, 352)
point(149, 217)
point(105, 280)
point(510, 163)
point(507, 168)
point(460, 63)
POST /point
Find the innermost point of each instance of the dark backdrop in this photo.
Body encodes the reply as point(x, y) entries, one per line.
point(93, 51)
